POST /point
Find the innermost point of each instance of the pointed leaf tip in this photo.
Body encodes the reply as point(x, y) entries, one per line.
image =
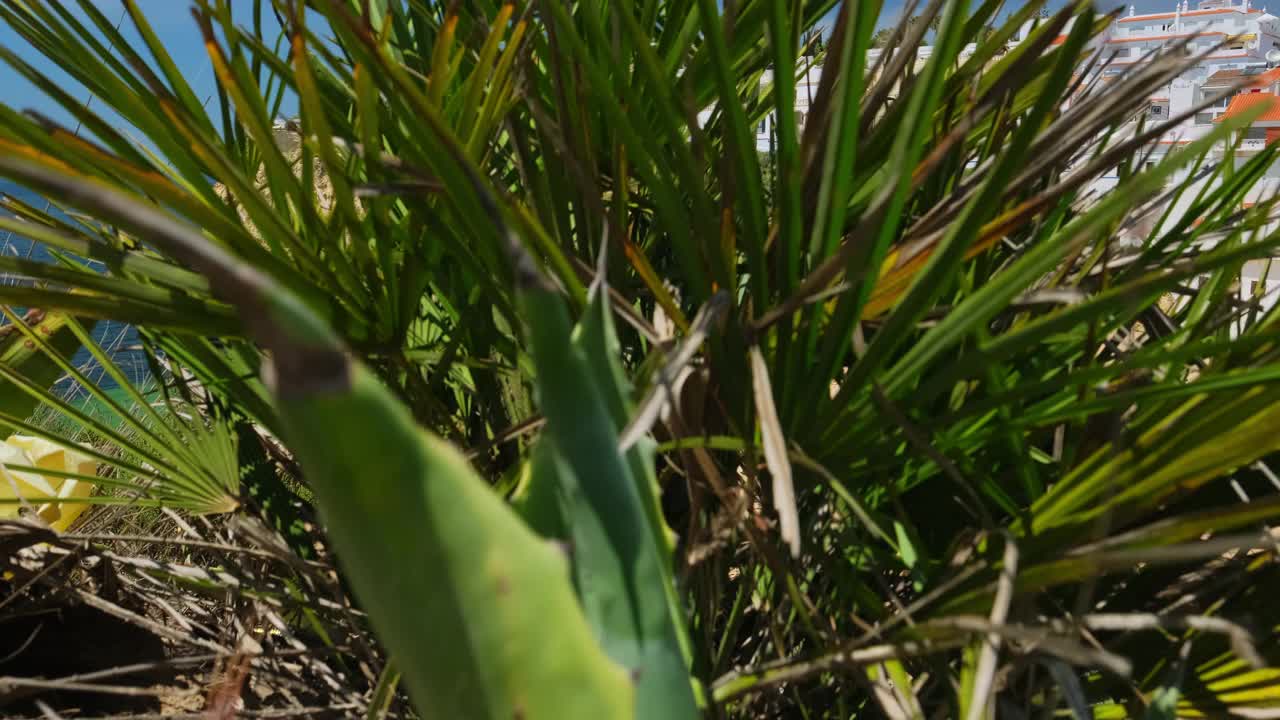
point(775, 453)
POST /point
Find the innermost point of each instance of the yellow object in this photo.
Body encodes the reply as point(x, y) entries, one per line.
point(23, 450)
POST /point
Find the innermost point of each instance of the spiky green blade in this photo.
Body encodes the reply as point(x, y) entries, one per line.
point(476, 608)
point(620, 564)
point(23, 356)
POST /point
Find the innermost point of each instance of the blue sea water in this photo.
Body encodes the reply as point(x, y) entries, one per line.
point(117, 338)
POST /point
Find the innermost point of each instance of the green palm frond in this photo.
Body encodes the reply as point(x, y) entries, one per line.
point(160, 448)
point(992, 404)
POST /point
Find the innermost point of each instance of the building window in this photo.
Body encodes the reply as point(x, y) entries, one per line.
point(1204, 118)
point(1157, 111)
point(1255, 133)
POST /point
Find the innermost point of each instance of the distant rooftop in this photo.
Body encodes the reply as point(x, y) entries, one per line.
point(1245, 102)
point(1206, 7)
point(1262, 77)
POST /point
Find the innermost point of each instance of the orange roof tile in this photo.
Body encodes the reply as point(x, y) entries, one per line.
point(1247, 101)
point(1267, 78)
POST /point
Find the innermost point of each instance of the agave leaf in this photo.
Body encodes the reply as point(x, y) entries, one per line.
point(537, 497)
point(493, 629)
point(621, 560)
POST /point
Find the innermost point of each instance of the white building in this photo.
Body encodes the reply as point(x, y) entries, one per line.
point(806, 89)
point(1240, 48)
point(1234, 39)
point(1249, 33)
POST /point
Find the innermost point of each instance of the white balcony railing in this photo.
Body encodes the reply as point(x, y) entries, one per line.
point(1245, 146)
point(1186, 28)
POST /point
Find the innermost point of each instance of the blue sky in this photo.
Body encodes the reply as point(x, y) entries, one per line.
point(173, 23)
point(170, 19)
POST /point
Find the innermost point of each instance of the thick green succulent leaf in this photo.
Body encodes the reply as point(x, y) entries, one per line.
point(479, 612)
point(620, 562)
point(477, 609)
point(597, 340)
point(537, 497)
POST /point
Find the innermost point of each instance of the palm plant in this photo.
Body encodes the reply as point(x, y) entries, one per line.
point(928, 441)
